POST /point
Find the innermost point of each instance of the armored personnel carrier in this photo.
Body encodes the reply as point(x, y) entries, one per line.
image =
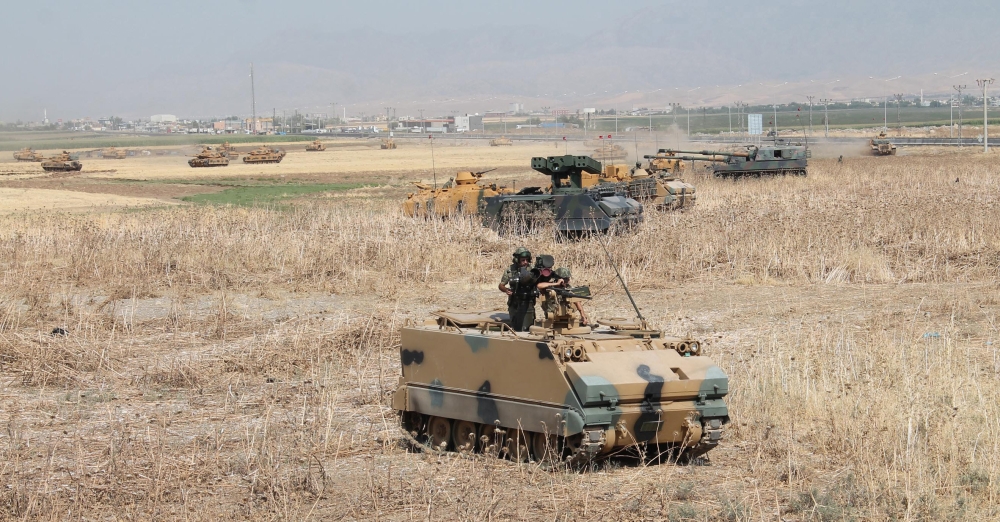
point(779, 159)
point(502, 141)
point(28, 154)
point(209, 157)
point(574, 208)
point(881, 146)
point(461, 195)
point(560, 392)
point(316, 146)
point(264, 154)
point(62, 163)
point(113, 153)
point(662, 190)
point(610, 152)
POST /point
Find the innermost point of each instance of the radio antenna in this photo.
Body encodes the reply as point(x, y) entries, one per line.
point(638, 314)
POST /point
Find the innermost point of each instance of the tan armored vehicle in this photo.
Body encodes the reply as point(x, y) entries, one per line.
point(209, 157)
point(461, 195)
point(388, 143)
point(316, 146)
point(881, 146)
point(264, 154)
point(661, 189)
point(609, 152)
point(502, 141)
point(228, 150)
point(27, 154)
point(61, 163)
point(561, 391)
point(113, 153)
point(666, 163)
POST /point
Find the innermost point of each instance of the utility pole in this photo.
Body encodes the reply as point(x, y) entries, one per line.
point(959, 89)
point(775, 122)
point(984, 83)
point(951, 106)
point(810, 113)
point(689, 121)
point(730, 120)
point(253, 103)
point(899, 129)
point(423, 127)
point(826, 115)
point(333, 109)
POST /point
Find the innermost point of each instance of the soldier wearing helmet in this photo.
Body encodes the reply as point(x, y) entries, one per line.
point(518, 282)
point(561, 278)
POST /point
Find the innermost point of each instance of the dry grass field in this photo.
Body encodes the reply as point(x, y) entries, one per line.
point(198, 362)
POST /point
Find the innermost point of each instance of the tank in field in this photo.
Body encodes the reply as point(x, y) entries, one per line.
point(315, 146)
point(502, 141)
point(264, 154)
point(209, 157)
point(881, 146)
point(561, 392)
point(573, 207)
point(660, 189)
point(227, 150)
point(64, 162)
point(28, 154)
point(779, 159)
point(461, 195)
point(113, 153)
point(388, 144)
point(609, 152)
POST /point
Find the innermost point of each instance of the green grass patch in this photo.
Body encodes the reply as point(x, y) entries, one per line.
point(49, 140)
point(267, 195)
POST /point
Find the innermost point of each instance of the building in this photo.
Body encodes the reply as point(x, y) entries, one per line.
point(263, 125)
point(163, 118)
point(469, 123)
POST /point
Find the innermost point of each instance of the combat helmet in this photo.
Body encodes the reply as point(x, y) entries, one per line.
point(563, 272)
point(465, 178)
point(522, 252)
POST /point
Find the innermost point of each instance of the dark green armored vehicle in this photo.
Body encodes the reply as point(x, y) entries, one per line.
point(773, 160)
point(573, 207)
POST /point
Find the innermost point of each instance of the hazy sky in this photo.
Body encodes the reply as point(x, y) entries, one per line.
point(135, 58)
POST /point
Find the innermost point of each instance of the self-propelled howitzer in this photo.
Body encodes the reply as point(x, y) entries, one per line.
point(779, 159)
point(574, 208)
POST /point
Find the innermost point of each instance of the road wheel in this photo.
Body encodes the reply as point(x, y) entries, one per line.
point(517, 445)
point(439, 433)
point(545, 448)
point(463, 436)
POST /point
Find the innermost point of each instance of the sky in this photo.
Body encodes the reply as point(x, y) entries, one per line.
point(192, 58)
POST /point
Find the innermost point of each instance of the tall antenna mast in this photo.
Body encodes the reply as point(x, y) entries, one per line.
point(253, 102)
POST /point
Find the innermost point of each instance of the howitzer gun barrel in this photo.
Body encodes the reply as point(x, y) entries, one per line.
point(687, 158)
point(707, 153)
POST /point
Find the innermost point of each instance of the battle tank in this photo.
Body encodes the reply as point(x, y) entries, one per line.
point(560, 392)
point(575, 209)
point(113, 153)
point(462, 195)
point(62, 163)
point(388, 143)
point(227, 150)
point(609, 152)
point(502, 141)
point(28, 154)
point(664, 163)
point(209, 157)
point(881, 146)
point(264, 154)
point(662, 190)
point(316, 146)
point(779, 159)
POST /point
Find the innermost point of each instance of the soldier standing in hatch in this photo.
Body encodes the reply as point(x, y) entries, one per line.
point(560, 279)
point(521, 292)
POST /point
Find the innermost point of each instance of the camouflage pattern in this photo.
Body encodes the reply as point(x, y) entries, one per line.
point(64, 162)
point(461, 195)
point(209, 157)
point(779, 159)
point(228, 150)
point(560, 390)
point(387, 144)
point(113, 153)
point(316, 146)
point(661, 189)
point(27, 154)
point(264, 154)
point(881, 146)
point(573, 207)
point(502, 141)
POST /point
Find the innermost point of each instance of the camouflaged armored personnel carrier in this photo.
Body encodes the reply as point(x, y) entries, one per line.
point(264, 154)
point(113, 153)
point(573, 207)
point(662, 190)
point(881, 146)
point(461, 195)
point(779, 159)
point(64, 162)
point(28, 154)
point(561, 391)
point(209, 157)
point(315, 146)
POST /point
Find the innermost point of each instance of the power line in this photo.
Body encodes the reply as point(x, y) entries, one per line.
point(959, 89)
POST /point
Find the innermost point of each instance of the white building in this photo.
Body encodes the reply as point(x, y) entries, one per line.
point(163, 118)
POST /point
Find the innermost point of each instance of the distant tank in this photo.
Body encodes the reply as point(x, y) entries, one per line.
point(28, 154)
point(572, 207)
point(113, 153)
point(209, 157)
point(779, 159)
point(264, 154)
point(881, 146)
point(227, 150)
point(462, 195)
point(660, 189)
point(502, 141)
point(560, 392)
point(388, 143)
point(609, 152)
point(62, 163)
point(316, 146)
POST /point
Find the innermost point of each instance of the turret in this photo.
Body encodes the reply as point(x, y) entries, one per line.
point(562, 168)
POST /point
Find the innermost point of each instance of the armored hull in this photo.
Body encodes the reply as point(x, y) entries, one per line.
point(777, 160)
point(264, 155)
point(660, 189)
point(27, 154)
point(62, 163)
point(469, 383)
point(388, 144)
point(460, 196)
point(113, 153)
point(219, 161)
point(610, 153)
point(316, 146)
point(881, 146)
point(502, 141)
